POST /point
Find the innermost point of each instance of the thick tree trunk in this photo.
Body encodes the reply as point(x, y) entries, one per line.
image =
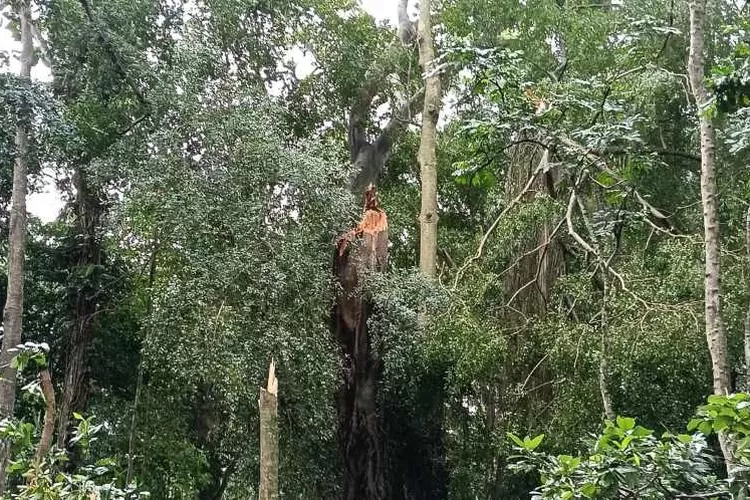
point(359, 252)
point(539, 259)
point(13, 312)
point(715, 335)
point(84, 302)
point(269, 438)
point(428, 217)
point(207, 413)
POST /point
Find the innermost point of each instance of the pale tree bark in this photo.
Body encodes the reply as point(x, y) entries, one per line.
point(369, 154)
point(13, 312)
point(715, 335)
point(607, 403)
point(269, 438)
point(406, 31)
point(48, 429)
point(428, 217)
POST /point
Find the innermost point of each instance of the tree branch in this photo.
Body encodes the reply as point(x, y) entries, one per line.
point(106, 38)
point(539, 169)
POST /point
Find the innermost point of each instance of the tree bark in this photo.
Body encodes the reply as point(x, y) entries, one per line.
point(13, 312)
point(607, 402)
point(539, 260)
point(45, 442)
point(405, 26)
point(269, 438)
point(84, 302)
point(428, 217)
point(368, 155)
point(359, 252)
point(715, 335)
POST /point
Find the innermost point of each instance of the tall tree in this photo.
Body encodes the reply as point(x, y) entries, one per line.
point(361, 251)
point(13, 312)
point(715, 335)
point(428, 217)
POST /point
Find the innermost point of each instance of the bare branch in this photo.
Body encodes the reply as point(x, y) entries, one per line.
point(539, 169)
point(587, 247)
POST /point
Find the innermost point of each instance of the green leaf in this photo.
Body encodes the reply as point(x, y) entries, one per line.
point(705, 428)
point(625, 423)
point(721, 423)
point(532, 444)
point(684, 438)
point(516, 439)
point(588, 490)
point(694, 423)
point(625, 442)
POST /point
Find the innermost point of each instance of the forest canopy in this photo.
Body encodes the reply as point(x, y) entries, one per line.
point(489, 249)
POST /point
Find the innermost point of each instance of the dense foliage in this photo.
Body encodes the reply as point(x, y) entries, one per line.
point(201, 152)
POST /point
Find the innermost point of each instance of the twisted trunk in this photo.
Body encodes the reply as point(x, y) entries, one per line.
point(84, 301)
point(48, 429)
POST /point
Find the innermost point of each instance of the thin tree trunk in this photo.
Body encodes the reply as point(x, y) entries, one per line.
point(13, 312)
point(609, 411)
point(139, 378)
point(45, 442)
point(269, 438)
point(715, 335)
point(428, 217)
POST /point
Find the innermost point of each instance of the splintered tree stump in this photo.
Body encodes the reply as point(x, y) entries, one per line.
point(361, 251)
point(269, 438)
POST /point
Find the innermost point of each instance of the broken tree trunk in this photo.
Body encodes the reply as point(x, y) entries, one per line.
point(45, 442)
point(269, 438)
point(361, 251)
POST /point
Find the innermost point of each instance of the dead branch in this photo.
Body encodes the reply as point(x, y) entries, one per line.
point(588, 248)
point(539, 169)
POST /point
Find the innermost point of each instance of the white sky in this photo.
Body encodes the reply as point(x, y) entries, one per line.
point(47, 204)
